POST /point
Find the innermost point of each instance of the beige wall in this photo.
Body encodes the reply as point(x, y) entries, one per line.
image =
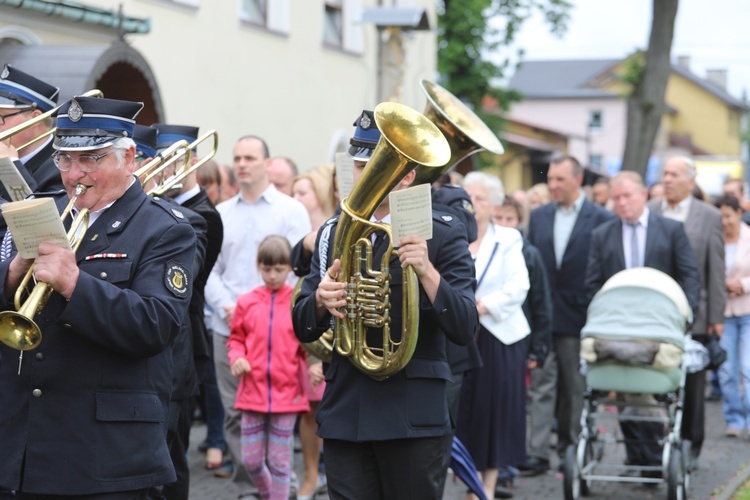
point(217, 72)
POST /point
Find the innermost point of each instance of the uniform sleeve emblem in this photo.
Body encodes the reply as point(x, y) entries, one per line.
point(176, 279)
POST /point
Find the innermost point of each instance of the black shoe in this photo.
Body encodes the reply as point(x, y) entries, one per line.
point(714, 396)
point(533, 467)
point(502, 488)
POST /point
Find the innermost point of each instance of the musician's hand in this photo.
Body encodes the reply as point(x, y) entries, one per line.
point(331, 294)
point(229, 314)
point(6, 149)
point(412, 251)
point(240, 367)
point(16, 271)
point(57, 266)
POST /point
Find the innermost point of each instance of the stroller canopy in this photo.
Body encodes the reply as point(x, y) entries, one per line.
point(639, 303)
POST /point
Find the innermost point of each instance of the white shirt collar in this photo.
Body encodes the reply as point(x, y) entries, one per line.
point(27, 157)
point(183, 197)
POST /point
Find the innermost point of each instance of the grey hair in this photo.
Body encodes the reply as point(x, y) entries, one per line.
point(493, 184)
point(689, 165)
point(120, 147)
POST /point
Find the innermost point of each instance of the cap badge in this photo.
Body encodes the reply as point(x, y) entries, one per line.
point(75, 113)
point(365, 121)
point(5, 74)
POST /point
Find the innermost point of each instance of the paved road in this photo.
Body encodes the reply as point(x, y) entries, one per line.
point(720, 461)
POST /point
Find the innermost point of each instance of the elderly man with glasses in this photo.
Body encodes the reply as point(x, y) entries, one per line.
point(84, 415)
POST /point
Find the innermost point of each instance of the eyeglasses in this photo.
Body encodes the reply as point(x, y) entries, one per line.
point(87, 163)
point(3, 118)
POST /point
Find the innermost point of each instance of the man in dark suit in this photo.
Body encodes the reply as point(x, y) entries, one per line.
point(640, 238)
point(661, 243)
point(85, 413)
point(561, 231)
point(29, 97)
point(386, 438)
point(704, 231)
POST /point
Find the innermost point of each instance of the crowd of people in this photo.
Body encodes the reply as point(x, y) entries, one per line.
point(182, 302)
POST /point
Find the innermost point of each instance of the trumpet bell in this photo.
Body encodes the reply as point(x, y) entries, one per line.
point(465, 132)
point(18, 331)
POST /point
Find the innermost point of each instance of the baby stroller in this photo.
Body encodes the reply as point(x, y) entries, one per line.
point(632, 344)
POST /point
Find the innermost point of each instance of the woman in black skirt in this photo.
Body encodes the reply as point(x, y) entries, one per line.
point(492, 421)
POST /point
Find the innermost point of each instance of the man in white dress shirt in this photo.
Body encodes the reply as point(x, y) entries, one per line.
point(258, 210)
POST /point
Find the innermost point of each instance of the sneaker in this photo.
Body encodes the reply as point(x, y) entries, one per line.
point(225, 470)
point(732, 432)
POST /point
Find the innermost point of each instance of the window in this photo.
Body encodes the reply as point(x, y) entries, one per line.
point(596, 121)
point(333, 25)
point(254, 11)
point(596, 161)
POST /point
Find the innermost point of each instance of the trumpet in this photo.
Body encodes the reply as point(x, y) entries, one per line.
point(178, 150)
point(18, 328)
point(465, 132)
point(7, 134)
point(157, 166)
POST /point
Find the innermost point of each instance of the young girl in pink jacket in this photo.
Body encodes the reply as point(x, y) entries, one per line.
point(265, 354)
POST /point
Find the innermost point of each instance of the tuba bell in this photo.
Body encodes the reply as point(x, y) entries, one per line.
point(18, 328)
point(409, 140)
point(465, 132)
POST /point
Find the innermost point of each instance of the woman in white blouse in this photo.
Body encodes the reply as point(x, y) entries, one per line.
point(492, 415)
point(736, 337)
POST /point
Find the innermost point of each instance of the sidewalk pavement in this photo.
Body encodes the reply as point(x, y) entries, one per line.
point(723, 462)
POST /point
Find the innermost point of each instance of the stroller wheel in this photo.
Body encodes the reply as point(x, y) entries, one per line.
point(675, 477)
point(571, 474)
point(584, 456)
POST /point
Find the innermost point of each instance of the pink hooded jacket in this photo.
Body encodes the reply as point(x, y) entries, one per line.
point(262, 333)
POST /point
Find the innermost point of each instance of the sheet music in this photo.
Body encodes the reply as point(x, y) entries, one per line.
point(13, 180)
point(411, 212)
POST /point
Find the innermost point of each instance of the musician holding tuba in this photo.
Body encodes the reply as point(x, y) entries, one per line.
point(23, 99)
point(385, 437)
point(85, 412)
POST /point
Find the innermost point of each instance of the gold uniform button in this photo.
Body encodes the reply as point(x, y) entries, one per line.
point(37, 393)
point(103, 275)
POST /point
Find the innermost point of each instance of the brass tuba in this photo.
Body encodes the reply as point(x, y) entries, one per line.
point(465, 132)
point(408, 140)
point(18, 328)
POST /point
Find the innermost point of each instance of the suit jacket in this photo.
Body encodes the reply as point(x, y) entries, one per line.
point(538, 305)
point(43, 170)
point(667, 250)
point(88, 413)
point(215, 235)
point(411, 403)
point(706, 235)
point(740, 306)
point(569, 297)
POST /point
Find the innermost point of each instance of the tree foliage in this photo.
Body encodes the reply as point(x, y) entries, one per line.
point(471, 31)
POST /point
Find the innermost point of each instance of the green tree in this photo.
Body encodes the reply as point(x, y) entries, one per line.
point(470, 31)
